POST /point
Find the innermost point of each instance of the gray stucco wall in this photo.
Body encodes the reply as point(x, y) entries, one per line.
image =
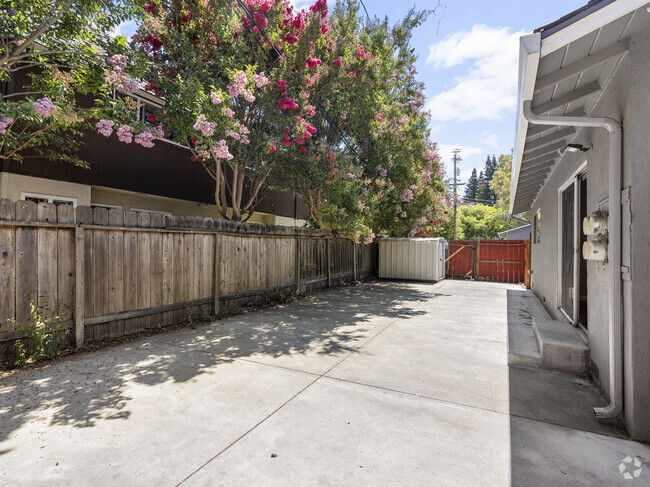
point(626, 98)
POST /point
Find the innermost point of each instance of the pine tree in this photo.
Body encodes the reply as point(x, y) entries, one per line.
point(484, 192)
point(482, 189)
point(471, 188)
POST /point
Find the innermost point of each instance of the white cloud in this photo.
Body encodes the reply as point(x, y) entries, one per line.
point(488, 87)
point(300, 4)
point(491, 140)
point(125, 29)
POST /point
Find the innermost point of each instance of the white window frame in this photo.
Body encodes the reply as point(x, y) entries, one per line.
point(108, 207)
point(49, 197)
point(573, 179)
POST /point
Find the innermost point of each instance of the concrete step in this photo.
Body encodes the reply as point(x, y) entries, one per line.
point(560, 347)
point(523, 348)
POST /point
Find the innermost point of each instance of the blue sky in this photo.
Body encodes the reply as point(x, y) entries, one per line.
point(468, 56)
point(468, 60)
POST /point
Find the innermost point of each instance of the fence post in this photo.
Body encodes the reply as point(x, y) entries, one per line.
point(217, 272)
point(527, 266)
point(297, 264)
point(79, 286)
point(328, 257)
point(355, 272)
point(475, 251)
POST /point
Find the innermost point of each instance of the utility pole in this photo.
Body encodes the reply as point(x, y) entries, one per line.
point(457, 159)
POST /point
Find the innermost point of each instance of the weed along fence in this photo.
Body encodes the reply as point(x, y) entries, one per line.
point(489, 260)
point(114, 272)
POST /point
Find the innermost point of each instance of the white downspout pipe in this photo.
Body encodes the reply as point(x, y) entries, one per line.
point(615, 406)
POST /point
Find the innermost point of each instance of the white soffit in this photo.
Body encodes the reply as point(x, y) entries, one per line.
point(570, 71)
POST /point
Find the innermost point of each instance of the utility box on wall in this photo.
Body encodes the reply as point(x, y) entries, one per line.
point(417, 259)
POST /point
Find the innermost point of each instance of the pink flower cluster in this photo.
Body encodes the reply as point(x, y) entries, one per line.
point(145, 139)
point(216, 97)
point(370, 238)
point(407, 195)
point(288, 103)
point(44, 107)
point(205, 127)
point(125, 134)
point(117, 78)
point(105, 127)
point(4, 123)
point(221, 151)
point(337, 61)
point(227, 112)
point(239, 87)
point(282, 86)
point(362, 53)
point(290, 38)
point(311, 110)
point(428, 171)
point(382, 171)
point(260, 80)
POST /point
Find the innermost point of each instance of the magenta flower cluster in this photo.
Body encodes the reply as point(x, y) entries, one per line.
point(44, 107)
point(288, 103)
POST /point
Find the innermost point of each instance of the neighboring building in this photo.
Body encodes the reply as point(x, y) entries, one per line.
point(131, 177)
point(519, 233)
point(595, 62)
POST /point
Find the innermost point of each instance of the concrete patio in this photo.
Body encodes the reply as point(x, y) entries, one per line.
point(382, 384)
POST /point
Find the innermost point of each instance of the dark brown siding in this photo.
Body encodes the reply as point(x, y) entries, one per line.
point(164, 170)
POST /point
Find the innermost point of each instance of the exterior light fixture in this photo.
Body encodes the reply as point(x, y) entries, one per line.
point(576, 148)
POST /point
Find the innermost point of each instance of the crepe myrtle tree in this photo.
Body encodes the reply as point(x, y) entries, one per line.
point(236, 79)
point(377, 172)
point(55, 51)
point(339, 93)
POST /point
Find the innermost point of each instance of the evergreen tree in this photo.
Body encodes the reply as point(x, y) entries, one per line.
point(472, 187)
point(482, 189)
point(485, 193)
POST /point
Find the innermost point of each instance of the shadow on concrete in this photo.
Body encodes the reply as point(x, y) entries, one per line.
point(83, 390)
point(540, 402)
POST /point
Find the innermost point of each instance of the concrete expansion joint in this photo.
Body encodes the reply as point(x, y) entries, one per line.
point(316, 379)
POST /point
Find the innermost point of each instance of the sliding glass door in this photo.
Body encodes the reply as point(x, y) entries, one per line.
point(567, 247)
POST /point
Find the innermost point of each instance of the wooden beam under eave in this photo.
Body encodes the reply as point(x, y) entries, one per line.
point(581, 65)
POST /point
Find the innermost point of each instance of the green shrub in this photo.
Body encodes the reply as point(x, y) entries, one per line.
point(44, 339)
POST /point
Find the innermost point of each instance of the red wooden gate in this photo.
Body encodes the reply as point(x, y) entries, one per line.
point(488, 260)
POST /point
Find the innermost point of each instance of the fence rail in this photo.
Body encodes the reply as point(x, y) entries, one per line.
point(114, 272)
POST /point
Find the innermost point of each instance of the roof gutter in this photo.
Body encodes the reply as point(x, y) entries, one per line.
point(615, 406)
point(530, 47)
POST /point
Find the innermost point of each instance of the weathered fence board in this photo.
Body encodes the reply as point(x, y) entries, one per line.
point(113, 273)
point(7, 278)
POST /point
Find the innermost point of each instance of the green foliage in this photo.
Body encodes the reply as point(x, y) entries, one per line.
point(478, 221)
point(377, 173)
point(500, 183)
point(54, 51)
point(43, 340)
point(472, 187)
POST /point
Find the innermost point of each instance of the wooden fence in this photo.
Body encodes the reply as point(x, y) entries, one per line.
point(489, 260)
point(114, 273)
